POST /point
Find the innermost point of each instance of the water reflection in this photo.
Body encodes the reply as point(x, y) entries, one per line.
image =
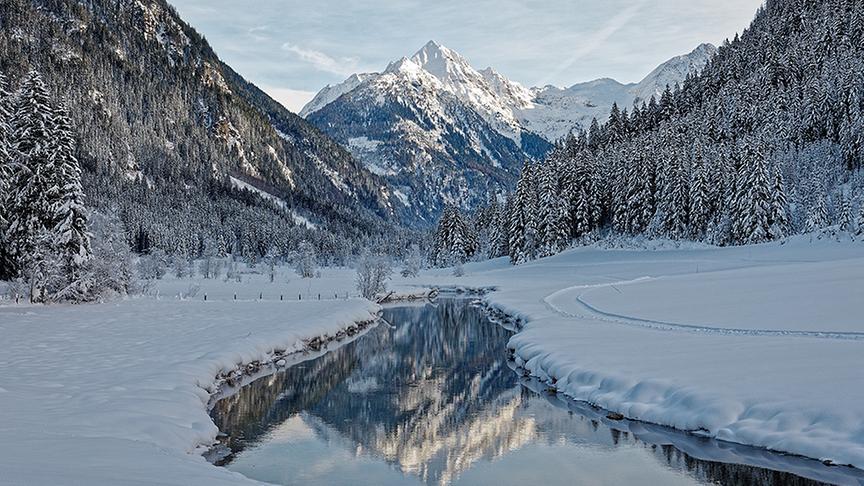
point(431, 399)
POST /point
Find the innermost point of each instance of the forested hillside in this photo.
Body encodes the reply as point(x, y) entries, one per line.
point(767, 141)
point(164, 131)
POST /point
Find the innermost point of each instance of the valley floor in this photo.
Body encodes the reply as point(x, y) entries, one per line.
point(758, 345)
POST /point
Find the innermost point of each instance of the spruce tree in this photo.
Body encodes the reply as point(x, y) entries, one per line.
point(35, 191)
point(522, 217)
point(756, 208)
point(845, 214)
point(678, 200)
point(818, 218)
point(700, 211)
point(860, 231)
point(6, 174)
point(47, 220)
point(595, 136)
point(778, 219)
point(440, 245)
point(552, 215)
point(68, 212)
point(497, 234)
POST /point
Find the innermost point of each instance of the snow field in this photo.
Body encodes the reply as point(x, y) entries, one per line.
point(117, 393)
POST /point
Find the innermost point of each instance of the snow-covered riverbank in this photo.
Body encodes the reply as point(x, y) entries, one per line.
point(118, 393)
point(758, 345)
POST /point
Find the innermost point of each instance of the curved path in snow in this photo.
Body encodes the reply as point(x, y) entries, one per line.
point(576, 293)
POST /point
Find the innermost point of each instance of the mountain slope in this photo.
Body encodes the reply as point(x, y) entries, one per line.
point(153, 103)
point(438, 130)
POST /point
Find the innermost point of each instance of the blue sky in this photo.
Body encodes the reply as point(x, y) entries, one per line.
point(292, 48)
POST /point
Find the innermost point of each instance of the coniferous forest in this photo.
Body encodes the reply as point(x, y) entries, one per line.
point(766, 142)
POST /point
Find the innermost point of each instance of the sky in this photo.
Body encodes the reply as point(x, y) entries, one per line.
point(293, 48)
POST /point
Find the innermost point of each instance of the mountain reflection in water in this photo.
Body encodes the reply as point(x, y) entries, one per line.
point(430, 398)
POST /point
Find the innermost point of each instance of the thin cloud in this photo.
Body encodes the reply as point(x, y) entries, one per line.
point(596, 40)
point(321, 61)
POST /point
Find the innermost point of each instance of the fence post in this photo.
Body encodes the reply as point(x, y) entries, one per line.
point(281, 297)
point(235, 296)
point(261, 296)
point(299, 296)
point(205, 297)
point(319, 296)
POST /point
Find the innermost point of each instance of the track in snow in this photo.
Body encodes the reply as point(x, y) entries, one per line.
point(595, 313)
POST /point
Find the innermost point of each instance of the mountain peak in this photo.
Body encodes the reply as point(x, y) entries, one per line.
point(431, 49)
point(440, 61)
point(705, 47)
point(674, 70)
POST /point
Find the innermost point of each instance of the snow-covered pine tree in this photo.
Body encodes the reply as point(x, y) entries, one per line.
point(32, 116)
point(737, 198)
point(35, 193)
point(700, 209)
point(504, 223)
point(497, 233)
point(846, 219)
point(435, 252)
point(6, 266)
point(455, 239)
point(458, 240)
point(522, 217)
point(618, 199)
point(442, 248)
point(640, 193)
point(468, 234)
point(778, 218)
point(552, 215)
point(818, 217)
point(581, 215)
point(756, 206)
point(47, 219)
point(615, 128)
point(860, 231)
point(678, 198)
point(68, 212)
point(595, 136)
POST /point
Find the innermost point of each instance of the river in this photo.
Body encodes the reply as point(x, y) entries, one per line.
point(429, 397)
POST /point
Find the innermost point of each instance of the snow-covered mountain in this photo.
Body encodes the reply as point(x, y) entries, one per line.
point(438, 130)
point(443, 132)
point(672, 71)
point(555, 111)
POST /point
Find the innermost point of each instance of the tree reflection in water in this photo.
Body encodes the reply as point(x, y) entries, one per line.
point(431, 399)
